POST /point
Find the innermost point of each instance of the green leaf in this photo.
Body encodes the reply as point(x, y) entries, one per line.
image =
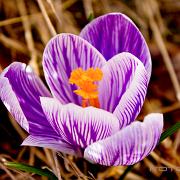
point(91, 17)
point(169, 131)
point(31, 169)
point(164, 135)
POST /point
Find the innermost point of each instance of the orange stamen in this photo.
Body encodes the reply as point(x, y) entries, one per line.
point(87, 87)
point(94, 102)
point(84, 102)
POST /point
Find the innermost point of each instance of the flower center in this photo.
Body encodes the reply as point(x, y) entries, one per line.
point(87, 85)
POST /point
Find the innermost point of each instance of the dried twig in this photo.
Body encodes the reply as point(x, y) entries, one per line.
point(57, 166)
point(88, 7)
point(160, 43)
point(7, 171)
point(49, 158)
point(55, 11)
point(28, 35)
point(46, 17)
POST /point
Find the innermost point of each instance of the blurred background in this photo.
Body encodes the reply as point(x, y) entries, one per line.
point(25, 28)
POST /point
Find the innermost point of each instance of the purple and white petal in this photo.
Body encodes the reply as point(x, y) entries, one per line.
point(124, 85)
point(12, 104)
point(20, 91)
point(48, 142)
point(114, 33)
point(79, 126)
point(128, 146)
point(63, 54)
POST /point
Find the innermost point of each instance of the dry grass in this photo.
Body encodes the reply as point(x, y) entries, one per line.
point(26, 27)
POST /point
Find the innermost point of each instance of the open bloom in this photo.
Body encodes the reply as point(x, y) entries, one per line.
point(98, 82)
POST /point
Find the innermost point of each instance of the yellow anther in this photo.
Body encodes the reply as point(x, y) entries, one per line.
point(87, 86)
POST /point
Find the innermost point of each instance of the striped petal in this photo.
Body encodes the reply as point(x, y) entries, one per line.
point(114, 33)
point(20, 92)
point(48, 142)
point(79, 126)
point(124, 85)
point(63, 54)
point(11, 102)
point(130, 145)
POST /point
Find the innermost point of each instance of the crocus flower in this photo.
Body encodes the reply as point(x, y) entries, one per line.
point(98, 82)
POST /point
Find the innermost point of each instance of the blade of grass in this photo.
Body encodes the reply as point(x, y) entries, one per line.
point(31, 169)
point(169, 131)
point(90, 17)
